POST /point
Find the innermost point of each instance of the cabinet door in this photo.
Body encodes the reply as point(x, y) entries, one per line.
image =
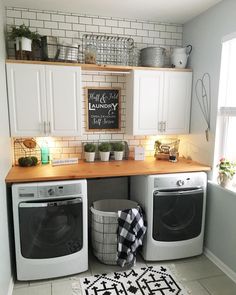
point(27, 99)
point(148, 89)
point(63, 100)
point(176, 102)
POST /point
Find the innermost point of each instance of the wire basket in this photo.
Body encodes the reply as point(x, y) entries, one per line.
point(165, 147)
point(26, 147)
point(109, 49)
point(104, 225)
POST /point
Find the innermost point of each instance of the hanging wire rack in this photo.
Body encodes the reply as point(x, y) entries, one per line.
point(26, 147)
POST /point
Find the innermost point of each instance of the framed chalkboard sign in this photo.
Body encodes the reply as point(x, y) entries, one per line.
point(103, 108)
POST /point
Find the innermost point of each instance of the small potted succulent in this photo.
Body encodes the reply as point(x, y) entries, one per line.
point(23, 37)
point(104, 150)
point(226, 171)
point(89, 152)
point(118, 148)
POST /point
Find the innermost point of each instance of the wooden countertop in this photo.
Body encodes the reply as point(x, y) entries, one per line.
point(101, 169)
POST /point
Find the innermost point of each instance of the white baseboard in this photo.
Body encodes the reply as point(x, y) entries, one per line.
point(228, 271)
point(10, 287)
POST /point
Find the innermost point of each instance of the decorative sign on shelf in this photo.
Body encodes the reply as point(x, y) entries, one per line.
point(103, 108)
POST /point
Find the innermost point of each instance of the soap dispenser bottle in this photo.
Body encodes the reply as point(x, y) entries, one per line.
point(44, 153)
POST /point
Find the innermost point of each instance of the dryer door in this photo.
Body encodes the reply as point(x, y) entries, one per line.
point(177, 214)
point(50, 228)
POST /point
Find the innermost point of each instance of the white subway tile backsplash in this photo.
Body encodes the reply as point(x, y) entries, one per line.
point(21, 21)
point(43, 16)
point(143, 33)
point(132, 32)
point(111, 23)
point(78, 27)
point(51, 25)
point(28, 14)
point(72, 19)
point(136, 25)
point(58, 17)
point(124, 24)
point(65, 26)
point(99, 22)
point(13, 13)
point(165, 35)
point(147, 26)
point(44, 32)
point(159, 27)
point(177, 36)
point(58, 33)
point(148, 40)
point(85, 20)
point(118, 31)
point(11, 20)
point(104, 30)
point(91, 28)
point(171, 29)
point(154, 34)
point(36, 23)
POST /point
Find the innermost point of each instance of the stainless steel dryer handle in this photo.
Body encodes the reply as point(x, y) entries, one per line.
point(177, 192)
point(51, 203)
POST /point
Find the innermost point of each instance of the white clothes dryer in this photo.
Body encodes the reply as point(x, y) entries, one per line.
point(174, 205)
point(50, 229)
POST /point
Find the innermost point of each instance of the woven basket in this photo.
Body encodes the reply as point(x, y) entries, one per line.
point(104, 227)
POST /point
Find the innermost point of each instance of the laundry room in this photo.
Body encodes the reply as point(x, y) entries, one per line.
point(117, 153)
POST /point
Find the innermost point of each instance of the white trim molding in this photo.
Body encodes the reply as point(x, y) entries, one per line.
point(228, 271)
point(10, 287)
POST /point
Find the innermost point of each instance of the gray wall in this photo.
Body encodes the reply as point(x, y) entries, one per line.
point(220, 226)
point(205, 34)
point(5, 163)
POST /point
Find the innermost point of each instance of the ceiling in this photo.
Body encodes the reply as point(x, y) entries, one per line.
point(174, 11)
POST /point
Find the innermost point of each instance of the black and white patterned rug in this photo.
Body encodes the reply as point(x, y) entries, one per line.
point(152, 280)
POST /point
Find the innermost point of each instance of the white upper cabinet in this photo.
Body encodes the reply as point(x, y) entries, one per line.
point(44, 100)
point(63, 86)
point(158, 102)
point(27, 99)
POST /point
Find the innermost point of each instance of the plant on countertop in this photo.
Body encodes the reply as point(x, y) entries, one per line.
point(89, 147)
point(227, 168)
point(23, 31)
point(118, 147)
point(104, 147)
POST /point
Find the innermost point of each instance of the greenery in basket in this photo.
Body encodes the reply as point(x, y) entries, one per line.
point(227, 168)
point(89, 147)
point(118, 147)
point(23, 31)
point(104, 147)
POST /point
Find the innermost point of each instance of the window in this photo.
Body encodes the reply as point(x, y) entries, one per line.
point(226, 120)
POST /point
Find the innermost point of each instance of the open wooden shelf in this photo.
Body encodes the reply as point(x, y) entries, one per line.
point(92, 67)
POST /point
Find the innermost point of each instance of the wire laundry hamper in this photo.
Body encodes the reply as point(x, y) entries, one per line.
point(104, 226)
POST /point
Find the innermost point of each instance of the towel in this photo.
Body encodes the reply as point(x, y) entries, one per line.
point(131, 230)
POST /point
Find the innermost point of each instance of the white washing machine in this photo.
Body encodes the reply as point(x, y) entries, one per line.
point(175, 211)
point(50, 229)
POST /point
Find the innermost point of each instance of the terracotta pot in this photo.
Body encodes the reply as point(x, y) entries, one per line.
point(223, 180)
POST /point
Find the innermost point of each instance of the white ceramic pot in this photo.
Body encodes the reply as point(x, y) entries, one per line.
point(179, 56)
point(23, 44)
point(104, 156)
point(118, 155)
point(89, 157)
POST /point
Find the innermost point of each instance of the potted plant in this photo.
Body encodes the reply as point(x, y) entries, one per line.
point(104, 150)
point(118, 148)
point(23, 37)
point(89, 152)
point(226, 171)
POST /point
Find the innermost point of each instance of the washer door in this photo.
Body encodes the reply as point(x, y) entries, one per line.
point(50, 229)
point(177, 214)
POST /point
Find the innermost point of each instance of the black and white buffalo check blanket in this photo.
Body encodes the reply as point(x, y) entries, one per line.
point(131, 230)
